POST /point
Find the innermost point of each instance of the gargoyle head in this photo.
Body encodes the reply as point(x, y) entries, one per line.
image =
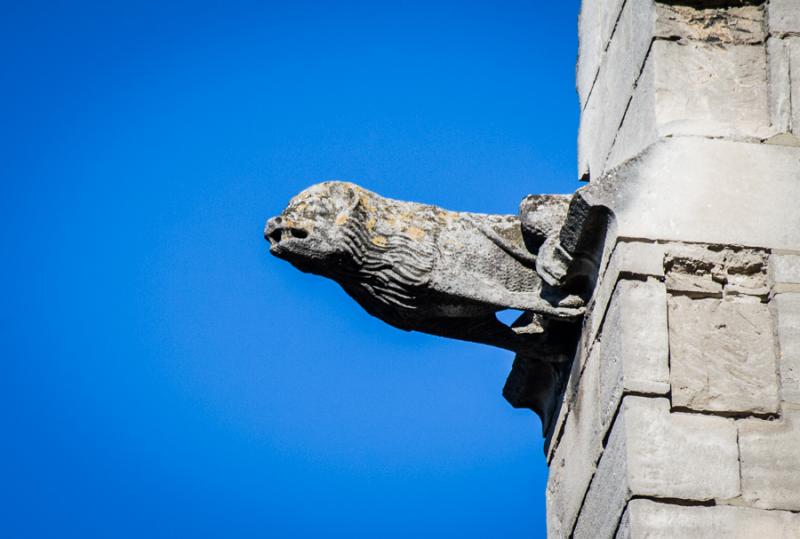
point(308, 232)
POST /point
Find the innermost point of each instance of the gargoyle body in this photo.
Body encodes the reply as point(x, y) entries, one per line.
point(420, 267)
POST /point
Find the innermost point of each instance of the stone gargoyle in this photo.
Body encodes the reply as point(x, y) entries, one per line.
point(420, 267)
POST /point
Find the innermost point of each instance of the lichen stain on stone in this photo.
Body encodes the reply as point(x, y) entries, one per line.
point(415, 233)
point(341, 219)
point(380, 241)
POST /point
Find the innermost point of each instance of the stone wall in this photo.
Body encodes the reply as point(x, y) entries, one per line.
point(681, 416)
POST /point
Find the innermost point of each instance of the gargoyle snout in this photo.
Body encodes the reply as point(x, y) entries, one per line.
point(279, 229)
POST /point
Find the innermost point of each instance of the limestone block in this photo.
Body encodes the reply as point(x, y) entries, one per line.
point(609, 491)
point(639, 128)
point(640, 258)
point(770, 453)
point(702, 190)
point(575, 456)
point(634, 345)
point(632, 353)
point(722, 357)
point(727, 25)
point(628, 259)
point(780, 98)
point(704, 89)
point(706, 74)
point(695, 88)
point(786, 308)
point(784, 268)
point(793, 48)
point(646, 518)
point(595, 26)
point(676, 455)
point(693, 285)
point(613, 86)
point(624, 529)
point(714, 271)
point(784, 16)
point(652, 452)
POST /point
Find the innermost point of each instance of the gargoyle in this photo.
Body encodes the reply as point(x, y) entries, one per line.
point(420, 267)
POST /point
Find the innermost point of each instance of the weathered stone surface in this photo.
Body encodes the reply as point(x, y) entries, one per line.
point(666, 458)
point(784, 16)
point(542, 216)
point(641, 258)
point(652, 452)
point(703, 89)
point(698, 190)
point(786, 309)
point(793, 49)
point(632, 353)
point(624, 530)
point(706, 74)
point(722, 357)
point(595, 26)
point(419, 267)
point(640, 127)
point(695, 88)
point(634, 345)
point(609, 491)
point(695, 285)
point(784, 268)
point(726, 25)
point(646, 518)
point(613, 87)
point(711, 271)
point(780, 97)
point(576, 454)
point(770, 453)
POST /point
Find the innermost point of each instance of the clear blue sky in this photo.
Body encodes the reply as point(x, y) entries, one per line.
point(163, 376)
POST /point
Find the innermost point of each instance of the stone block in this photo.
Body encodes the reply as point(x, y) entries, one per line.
point(652, 452)
point(784, 16)
point(613, 86)
point(770, 454)
point(722, 357)
point(654, 520)
point(703, 89)
point(793, 49)
point(640, 258)
point(632, 354)
point(714, 271)
point(728, 25)
point(639, 128)
point(624, 529)
point(692, 189)
point(575, 457)
point(677, 455)
point(634, 345)
point(786, 309)
point(784, 268)
point(694, 88)
point(609, 490)
point(595, 26)
point(780, 98)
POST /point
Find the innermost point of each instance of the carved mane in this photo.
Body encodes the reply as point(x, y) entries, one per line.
point(389, 267)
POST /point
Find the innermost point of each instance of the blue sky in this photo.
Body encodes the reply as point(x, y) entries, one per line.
point(166, 377)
